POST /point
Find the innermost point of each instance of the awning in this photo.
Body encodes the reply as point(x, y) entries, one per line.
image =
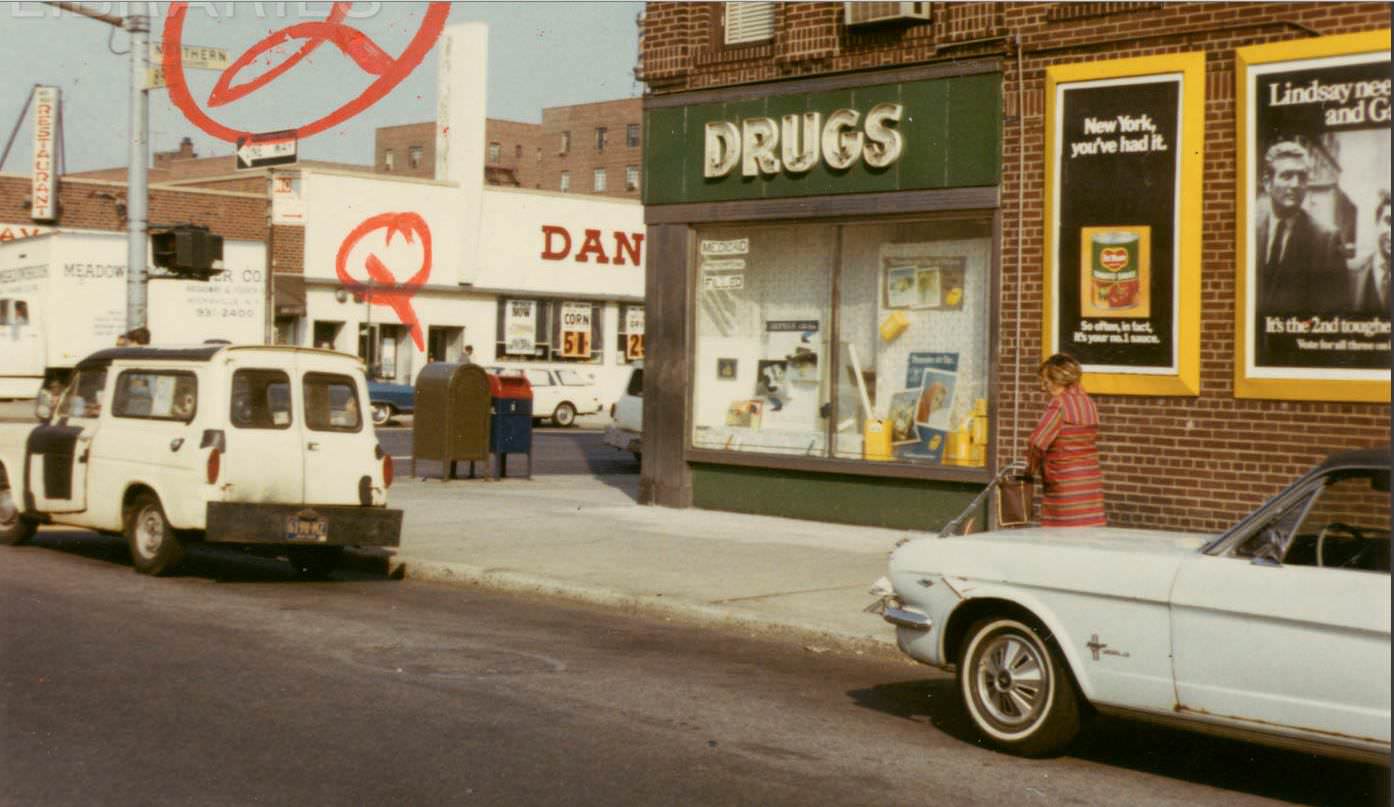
point(290, 295)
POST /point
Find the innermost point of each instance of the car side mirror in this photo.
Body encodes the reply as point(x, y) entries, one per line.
point(43, 406)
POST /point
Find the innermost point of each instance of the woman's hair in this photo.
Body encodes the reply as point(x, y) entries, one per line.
point(1061, 370)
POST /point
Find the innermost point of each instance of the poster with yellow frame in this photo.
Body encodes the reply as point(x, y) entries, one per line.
point(1124, 162)
point(1311, 320)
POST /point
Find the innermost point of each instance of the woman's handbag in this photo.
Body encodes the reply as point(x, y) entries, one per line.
point(1014, 492)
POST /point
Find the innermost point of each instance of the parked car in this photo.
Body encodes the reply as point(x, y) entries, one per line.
point(1276, 630)
point(261, 446)
point(389, 399)
point(626, 432)
point(557, 395)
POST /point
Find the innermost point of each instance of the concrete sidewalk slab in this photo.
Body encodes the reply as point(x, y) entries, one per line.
point(586, 539)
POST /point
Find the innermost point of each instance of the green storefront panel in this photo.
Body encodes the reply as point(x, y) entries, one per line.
point(951, 131)
point(911, 504)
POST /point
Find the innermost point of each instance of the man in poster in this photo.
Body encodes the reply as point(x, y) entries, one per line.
point(1371, 287)
point(1301, 264)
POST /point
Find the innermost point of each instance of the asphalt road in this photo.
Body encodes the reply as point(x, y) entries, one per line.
point(555, 451)
point(235, 684)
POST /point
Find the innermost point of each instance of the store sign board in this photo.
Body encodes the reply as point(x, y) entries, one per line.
point(44, 188)
point(936, 133)
point(287, 202)
point(1123, 266)
point(576, 330)
point(1311, 322)
point(520, 327)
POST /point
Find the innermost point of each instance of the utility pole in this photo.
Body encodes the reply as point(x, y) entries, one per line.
point(137, 23)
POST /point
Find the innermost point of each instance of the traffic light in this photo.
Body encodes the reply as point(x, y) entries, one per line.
point(188, 250)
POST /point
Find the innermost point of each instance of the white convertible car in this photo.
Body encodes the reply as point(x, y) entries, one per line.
point(1275, 631)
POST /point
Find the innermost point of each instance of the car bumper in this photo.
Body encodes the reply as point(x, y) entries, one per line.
point(623, 439)
point(326, 525)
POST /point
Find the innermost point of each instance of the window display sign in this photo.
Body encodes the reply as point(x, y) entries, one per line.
point(520, 327)
point(1312, 292)
point(634, 333)
point(576, 330)
point(1124, 151)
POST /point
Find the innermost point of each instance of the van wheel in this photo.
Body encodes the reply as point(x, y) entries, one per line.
point(315, 562)
point(155, 549)
point(1017, 688)
point(15, 528)
point(565, 415)
point(381, 414)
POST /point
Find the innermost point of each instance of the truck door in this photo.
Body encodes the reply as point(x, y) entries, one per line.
point(339, 443)
point(58, 452)
point(260, 462)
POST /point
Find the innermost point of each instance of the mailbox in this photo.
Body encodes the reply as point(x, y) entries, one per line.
point(510, 431)
point(451, 421)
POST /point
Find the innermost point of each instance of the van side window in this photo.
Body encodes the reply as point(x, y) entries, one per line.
point(163, 395)
point(260, 399)
point(331, 403)
point(83, 397)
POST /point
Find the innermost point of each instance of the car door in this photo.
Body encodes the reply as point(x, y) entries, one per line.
point(544, 393)
point(1268, 637)
point(58, 452)
point(338, 453)
point(149, 437)
point(261, 460)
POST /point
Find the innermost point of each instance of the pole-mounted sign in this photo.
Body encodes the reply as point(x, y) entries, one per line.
point(268, 148)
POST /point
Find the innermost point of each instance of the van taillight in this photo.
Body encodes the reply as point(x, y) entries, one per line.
point(215, 465)
point(387, 471)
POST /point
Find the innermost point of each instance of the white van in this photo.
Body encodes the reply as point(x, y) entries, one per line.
point(264, 446)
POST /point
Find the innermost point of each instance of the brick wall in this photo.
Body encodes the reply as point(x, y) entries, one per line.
point(518, 150)
point(288, 249)
point(583, 158)
point(1188, 463)
point(91, 205)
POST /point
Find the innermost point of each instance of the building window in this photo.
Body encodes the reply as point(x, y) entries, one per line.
point(748, 22)
point(495, 151)
point(539, 155)
point(389, 160)
point(631, 178)
point(889, 364)
point(631, 135)
point(518, 151)
point(414, 156)
point(600, 180)
point(600, 138)
point(565, 143)
point(565, 181)
point(631, 333)
point(550, 330)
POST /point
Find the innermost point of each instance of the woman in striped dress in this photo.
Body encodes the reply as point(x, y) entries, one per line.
point(1062, 449)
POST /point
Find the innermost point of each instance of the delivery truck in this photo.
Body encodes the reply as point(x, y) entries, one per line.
point(63, 297)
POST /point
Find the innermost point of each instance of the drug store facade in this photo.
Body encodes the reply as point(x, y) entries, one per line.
point(864, 235)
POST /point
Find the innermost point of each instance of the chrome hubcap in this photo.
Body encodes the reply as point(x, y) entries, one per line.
point(150, 532)
point(1012, 681)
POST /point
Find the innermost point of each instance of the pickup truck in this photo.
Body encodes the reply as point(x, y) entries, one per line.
point(626, 432)
point(262, 446)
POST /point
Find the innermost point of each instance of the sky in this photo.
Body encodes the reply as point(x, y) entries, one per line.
point(541, 54)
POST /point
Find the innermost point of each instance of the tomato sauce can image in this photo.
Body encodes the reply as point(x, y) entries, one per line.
point(1114, 270)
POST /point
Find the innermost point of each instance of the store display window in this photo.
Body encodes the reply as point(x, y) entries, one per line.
point(550, 330)
point(853, 341)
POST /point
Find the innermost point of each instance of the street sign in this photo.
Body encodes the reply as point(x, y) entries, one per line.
point(195, 57)
point(268, 148)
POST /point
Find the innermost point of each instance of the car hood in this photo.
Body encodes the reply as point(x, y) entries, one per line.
point(1128, 563)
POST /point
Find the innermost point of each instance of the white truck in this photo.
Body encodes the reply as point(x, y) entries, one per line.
point(63, 297)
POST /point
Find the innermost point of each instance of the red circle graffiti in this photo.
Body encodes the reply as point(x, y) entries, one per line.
point(383, 288)
point(356, 45)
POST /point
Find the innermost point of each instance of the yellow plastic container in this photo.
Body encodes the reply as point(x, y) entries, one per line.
point(876, 440)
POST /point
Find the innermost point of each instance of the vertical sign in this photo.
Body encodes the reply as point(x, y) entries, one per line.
point(634, 333)
point(44, 193)
point(1312, 306)
point(1124, 155)
point(576, 330)
point(287, 203)
point(520, 327)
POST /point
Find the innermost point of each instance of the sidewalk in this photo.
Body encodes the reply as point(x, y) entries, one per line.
point(585, 539)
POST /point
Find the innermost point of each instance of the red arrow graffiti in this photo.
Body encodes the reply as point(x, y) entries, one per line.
point(383, 288)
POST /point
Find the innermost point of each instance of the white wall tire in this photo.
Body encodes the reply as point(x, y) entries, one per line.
point(155, 549)
point(381, 414)
point(565, 415)
point(15, 528)
point(1016, 688)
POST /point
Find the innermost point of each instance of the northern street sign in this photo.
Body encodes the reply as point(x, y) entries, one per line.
point(195, 57)
point(268, 148)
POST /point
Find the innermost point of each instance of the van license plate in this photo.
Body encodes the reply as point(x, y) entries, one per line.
point(302, 530)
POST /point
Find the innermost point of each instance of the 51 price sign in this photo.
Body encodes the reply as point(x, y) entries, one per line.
point(576, 330)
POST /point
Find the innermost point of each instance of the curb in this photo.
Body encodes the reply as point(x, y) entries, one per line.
point(814, 638)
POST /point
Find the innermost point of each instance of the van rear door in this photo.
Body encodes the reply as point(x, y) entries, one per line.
point(340, 463)
point(260, 460)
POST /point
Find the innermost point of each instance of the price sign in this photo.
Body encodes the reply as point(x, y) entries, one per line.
point(634, 334)
point(576, 330)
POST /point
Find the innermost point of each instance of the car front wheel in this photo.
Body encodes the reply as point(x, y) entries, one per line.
point(381, 414)
point(565, 415)
point(155, 549)
point(15, 529)
point(1017, 689)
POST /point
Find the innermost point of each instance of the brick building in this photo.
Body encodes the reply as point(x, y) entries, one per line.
point(895, 204)
point(591, 148)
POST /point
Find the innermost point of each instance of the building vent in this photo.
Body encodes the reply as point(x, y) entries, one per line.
point(878, 13)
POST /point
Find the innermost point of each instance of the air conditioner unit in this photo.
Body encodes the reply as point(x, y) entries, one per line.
point(878, 13)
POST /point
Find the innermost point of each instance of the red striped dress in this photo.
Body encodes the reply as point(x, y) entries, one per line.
point(1065, 438)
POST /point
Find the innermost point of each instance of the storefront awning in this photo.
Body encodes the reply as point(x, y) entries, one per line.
point(290, 295)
